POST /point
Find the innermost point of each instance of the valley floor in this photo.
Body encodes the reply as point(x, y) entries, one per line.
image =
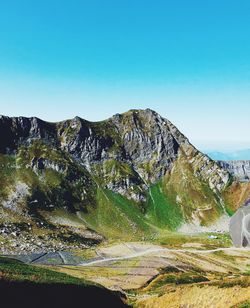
point(179, 271)
point(192, 274)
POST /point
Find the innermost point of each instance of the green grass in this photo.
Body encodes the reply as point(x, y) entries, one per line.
point(7, 175)
point(178, 278)
point(71, 186)
point(115, 216)
point(191, 193)
point(175, 239)
point(13, 270)
point(244, 305)
point(243, 282)
point(161, 210)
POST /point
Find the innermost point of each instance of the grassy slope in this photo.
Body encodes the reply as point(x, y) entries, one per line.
point(70, 186)
point(116, 217)
point(7, 172)
point(13, 270)
point(29, 286)
point(235, 196)
point(161, 210)
point(104, 211)
point(193, 196)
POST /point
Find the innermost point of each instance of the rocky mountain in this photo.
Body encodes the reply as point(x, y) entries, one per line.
point(240, 169)
point(129, 176)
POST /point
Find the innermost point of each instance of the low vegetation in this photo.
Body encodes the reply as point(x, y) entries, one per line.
point(13, 270)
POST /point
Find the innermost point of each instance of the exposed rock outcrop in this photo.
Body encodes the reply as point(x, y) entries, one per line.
point(145, 143)
point(240, 169)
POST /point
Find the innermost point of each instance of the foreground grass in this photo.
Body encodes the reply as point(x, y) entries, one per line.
point(197, 296)
point(29, 286)
point(12, 270)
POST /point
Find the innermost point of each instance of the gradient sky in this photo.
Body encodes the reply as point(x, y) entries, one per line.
point(188, 60)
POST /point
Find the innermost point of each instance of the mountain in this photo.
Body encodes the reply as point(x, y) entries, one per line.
point(240, 169)
point(77, 182)
point(236, 155)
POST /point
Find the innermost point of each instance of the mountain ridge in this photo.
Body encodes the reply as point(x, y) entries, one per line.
point(135, 167)
point(51, 127)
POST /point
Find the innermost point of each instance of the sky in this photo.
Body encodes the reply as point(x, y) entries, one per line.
point(187, 60)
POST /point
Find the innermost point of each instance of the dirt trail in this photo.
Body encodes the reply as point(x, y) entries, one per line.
point(149, 251)
point(131, 265)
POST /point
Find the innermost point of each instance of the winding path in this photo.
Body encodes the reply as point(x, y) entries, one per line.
point(155, 250)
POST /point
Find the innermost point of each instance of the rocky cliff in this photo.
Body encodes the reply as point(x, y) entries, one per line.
point(125, 176)
point(143, 142)
point(240, 169)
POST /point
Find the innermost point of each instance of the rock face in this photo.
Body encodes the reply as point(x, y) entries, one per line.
point(240, 226)
point(135, 169)
point(240, 169)
point(141, 140)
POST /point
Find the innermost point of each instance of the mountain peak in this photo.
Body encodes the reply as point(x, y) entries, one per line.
point(135, 160)
point(146, 111)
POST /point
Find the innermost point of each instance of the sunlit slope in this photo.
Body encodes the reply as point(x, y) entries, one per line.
point(117, 217)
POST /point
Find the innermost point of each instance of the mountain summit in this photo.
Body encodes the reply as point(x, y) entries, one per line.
point(128, 176)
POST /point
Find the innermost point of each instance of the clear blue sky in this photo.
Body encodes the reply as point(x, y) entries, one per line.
point(187, 59)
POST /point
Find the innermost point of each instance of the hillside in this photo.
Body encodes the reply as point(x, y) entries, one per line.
point(27, 286)
point(73, 183)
